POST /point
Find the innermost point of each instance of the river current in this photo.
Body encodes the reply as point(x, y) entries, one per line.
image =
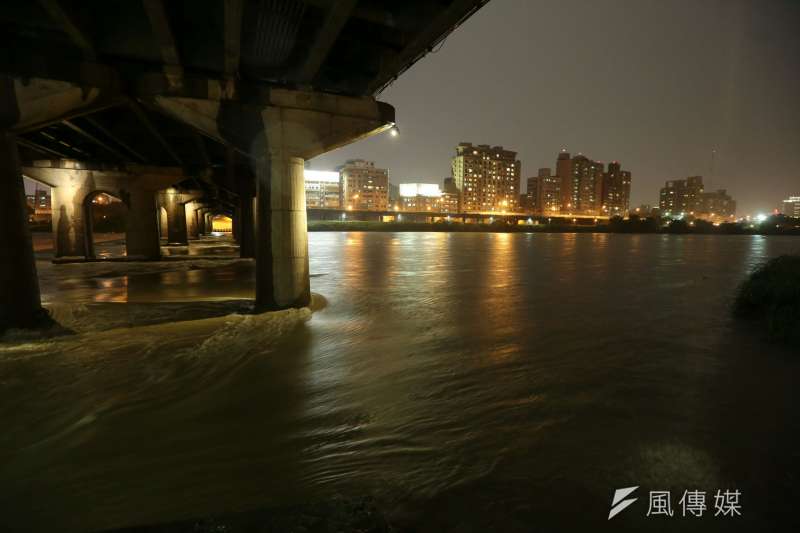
point(465, 381)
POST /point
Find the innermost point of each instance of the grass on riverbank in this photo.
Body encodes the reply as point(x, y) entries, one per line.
point(771, 297)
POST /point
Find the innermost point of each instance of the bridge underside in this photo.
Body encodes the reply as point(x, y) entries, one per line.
point(190, 107)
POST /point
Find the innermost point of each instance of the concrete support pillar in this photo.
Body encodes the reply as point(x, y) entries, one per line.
point(69, 219)
point(192, 230)
point(176, 218)
point(293, 125)
point(142, 232)
point(202, 226)
point(20, 304)
point(236, 221)
point(73, 188)
point(162, 222)
point(282, 275)
point(209, 225)
point(247, 228)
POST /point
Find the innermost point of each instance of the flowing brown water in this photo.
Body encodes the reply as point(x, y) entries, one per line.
point(468, 382)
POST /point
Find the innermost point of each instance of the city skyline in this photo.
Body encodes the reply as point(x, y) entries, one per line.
point(685, 79)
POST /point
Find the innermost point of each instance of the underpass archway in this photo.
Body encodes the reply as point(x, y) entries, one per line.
point(106, 217)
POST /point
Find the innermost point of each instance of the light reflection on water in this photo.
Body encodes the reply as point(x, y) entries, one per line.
point(489, 381)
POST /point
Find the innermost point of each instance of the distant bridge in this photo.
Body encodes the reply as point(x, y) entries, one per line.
point(317, 213)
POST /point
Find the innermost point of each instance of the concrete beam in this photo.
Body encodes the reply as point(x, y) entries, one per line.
point(376, 15)
point(201, 148)
point(76, 153)
point(232, 20)
point(162, 31)
point(80, 131)
point(335, 19)
point(105, 131)
point(44, 150)
point(142, 116)
point(315, 122)
point(41, 102)
point(64, 21)
point(307, 124)
point(432, 34)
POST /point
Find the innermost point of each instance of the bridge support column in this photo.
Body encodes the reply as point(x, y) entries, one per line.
point(236, 220)
point(175, 203)
point(141, 232)
point(201, 226)
point(20, 304)
point(69, 218)
point(282, 276)
point(73, 187)
point(280, 131)
point(176, 218)
point(247, 229)
point(200, 215)
point(192, 229)
point(202, 220)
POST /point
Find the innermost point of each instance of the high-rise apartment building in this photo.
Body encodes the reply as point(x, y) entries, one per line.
point(615, 199)
point(549, 192)
point(544, 193)
point(569, 190)
point(529, 202)
point(363, 186)
point(488, 178)
point(681, 196)
point(581, 184)
point(587, 178)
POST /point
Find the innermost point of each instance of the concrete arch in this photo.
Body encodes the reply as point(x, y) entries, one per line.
point(88, 217)
point(175, 203)
point(219, 223)
point(69, 208)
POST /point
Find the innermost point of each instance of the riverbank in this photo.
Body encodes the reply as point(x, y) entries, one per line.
point(500, 226)
point(770, 297)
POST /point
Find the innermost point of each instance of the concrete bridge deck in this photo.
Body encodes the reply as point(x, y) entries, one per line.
point(188, 108)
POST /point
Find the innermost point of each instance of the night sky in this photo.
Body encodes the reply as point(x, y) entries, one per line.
point(656, 85)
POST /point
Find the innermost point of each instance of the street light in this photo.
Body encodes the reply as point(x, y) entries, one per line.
point(394, 131)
